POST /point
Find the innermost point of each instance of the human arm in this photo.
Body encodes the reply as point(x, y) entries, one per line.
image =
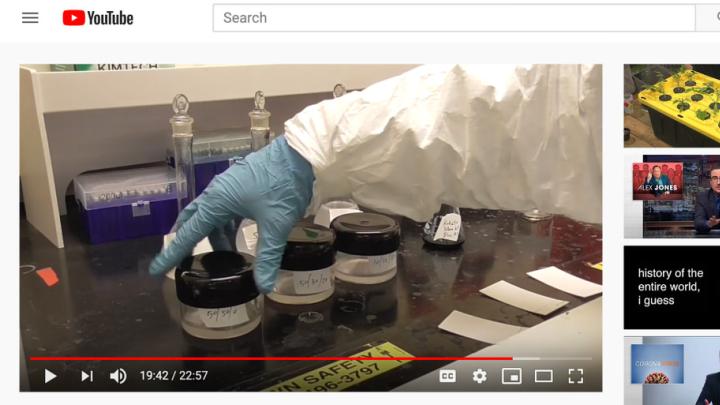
point(499, 137)
point(705, 393)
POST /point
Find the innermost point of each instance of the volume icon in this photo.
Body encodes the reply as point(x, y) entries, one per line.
point(119, 376)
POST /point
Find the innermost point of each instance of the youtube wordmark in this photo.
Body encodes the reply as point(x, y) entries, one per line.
point(109, 17)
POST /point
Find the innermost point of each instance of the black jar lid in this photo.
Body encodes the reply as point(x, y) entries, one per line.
point(309, 247)
point(366, 234)
point(215, 280)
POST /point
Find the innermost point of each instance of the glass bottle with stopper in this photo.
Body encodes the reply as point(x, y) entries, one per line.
point(259, 122)
point(445, 229)
point(182, 136)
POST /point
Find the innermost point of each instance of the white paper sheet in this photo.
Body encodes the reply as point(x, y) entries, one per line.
point(250, 233)
point(477, 328)
point(522, 298)
point(564, 281)
point(203, 246)
point(246, 239)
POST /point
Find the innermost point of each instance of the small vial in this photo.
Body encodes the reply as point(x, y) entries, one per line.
point(445, 230)
point(536, 215)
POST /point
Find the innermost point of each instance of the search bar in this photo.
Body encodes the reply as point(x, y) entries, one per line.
point(247, 17)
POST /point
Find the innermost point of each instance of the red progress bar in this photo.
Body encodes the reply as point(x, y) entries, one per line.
point(211, 358)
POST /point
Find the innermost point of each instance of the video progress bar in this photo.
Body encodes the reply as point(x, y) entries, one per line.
point(553, 358)
point(232, 358)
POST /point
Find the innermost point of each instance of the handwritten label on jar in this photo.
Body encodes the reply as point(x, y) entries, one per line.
point(383, 263)
point(449, 228)
point(224, 317)
point(250, 233)
point(366, 265)
point(312, 282)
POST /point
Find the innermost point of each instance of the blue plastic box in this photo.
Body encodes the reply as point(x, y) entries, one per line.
point(206, 172)
point(213, 151)
point(127, 204)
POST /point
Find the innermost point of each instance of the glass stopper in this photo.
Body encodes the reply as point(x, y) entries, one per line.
point(339, 90)
point(180, 104)
point(259, 100)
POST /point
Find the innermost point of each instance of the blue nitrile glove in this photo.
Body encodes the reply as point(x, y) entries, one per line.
point(272, 186)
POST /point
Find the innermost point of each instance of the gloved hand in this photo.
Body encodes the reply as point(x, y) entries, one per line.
point(272, 186)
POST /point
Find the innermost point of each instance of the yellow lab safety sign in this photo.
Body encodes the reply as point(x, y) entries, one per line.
point(344, 374)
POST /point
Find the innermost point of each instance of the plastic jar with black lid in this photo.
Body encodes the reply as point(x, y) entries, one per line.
point(218, 296)
point(306, 271)
point(367, 247)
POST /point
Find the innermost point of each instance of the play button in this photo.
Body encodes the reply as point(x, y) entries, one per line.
point(49, 376)
point(73, 17)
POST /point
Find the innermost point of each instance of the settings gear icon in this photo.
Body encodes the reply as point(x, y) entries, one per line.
point(480, 376)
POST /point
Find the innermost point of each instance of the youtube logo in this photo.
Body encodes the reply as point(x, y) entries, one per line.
point(108, 17)
point(74, 17)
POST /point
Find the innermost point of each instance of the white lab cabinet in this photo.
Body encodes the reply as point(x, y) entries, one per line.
point(74, 122)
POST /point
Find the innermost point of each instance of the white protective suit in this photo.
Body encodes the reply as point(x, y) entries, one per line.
point(490, 136)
